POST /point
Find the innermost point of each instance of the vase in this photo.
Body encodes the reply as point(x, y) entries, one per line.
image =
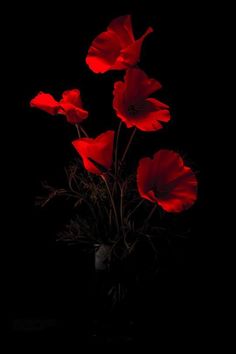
point(114, 291)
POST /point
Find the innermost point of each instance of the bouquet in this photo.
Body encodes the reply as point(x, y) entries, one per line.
point(116, 209)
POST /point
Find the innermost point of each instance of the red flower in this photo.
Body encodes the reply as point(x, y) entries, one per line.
point(166, 181)
point(115, 49)
point(45, 102)
point(100, 150)
point(132, 104)
point(70, 105)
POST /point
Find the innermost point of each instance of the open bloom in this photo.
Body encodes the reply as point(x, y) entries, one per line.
point(70, 105)
point(116, 48)
point(133, 105)
point(99, 150)
point(167, 181)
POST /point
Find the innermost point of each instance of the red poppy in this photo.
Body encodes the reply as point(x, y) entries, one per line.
point(70, 105)
point(132, 104)
point(45, 102)
point(115, 49)
point(99, 150)
point(166, 181)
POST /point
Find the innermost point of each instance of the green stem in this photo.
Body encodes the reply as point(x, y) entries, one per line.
point(112, 203)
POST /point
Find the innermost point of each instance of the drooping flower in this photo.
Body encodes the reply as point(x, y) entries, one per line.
point(165, 180)
point(116, 48)
point(70, 105)
point(133, 105)
point(99, 150)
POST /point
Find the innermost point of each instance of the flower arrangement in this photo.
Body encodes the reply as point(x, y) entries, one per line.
point(116, 209)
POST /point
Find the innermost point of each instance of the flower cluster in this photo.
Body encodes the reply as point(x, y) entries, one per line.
point(163, 179)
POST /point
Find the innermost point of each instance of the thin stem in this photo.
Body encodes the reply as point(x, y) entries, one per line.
point(112, 203)
point(78, 130)
point(116, 148)
point(116, 159)
point(150, 215)
point(133, 211)
point(151, 243)
point(83, 131)
point(77, 195)
point(121, 204)
point(128, 145)
point(121, 215)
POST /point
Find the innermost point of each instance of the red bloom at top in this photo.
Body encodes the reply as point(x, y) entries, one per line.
point(115, 49)
point(167, 181)
point(70, 105)
point(99, 150)
point(133, 105)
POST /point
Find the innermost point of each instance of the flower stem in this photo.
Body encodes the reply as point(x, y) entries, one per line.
point(116, 148)
point(112, 203)
point(78, 130)
point(84, 132)
point(133, 211)
point(128, 145)
point(121, 204)
point(150, 215)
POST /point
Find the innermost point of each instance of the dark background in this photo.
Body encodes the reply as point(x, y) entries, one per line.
point(47, 53)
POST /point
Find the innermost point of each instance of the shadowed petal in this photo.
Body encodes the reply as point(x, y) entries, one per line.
point(99, 149)
point(165, 180)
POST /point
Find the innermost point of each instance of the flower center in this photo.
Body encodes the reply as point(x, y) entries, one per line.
point(135, 109)
point(161, 192)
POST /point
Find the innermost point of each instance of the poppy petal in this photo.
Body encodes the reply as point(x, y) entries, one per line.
point(132, 104)
point(99, 149)
point(103, 52)
point(122, 26)
point(73, 97)
point(116, 48)
point(45, 102)
point(138, 86)
point(129, 56)
point(182, 196)
point(165, 180)
point(106, 47)
point(71, 105)
point(152, 112)
point(73, 114)
point(145, 180)
point(119, 103)
point(172, 166)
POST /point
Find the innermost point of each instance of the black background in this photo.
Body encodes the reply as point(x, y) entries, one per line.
point(47, 53)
